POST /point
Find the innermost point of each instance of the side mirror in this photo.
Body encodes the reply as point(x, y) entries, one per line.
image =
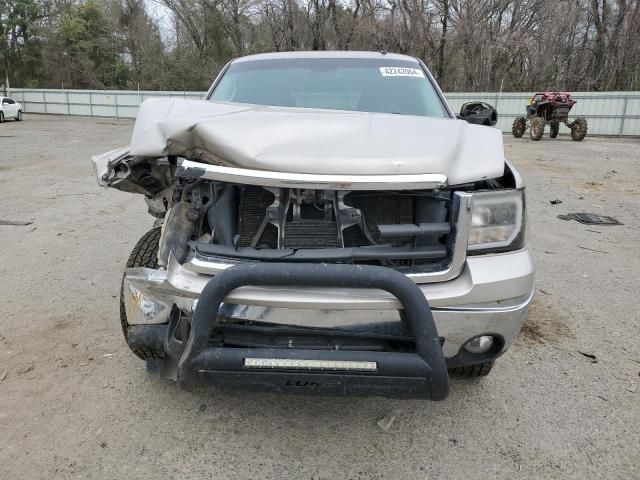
point(479, 113)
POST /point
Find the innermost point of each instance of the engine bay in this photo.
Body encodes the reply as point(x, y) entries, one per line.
point(264, 223)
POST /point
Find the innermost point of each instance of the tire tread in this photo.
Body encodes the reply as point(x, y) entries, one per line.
point(519, 127)
point(144, 254)
point(478, 370)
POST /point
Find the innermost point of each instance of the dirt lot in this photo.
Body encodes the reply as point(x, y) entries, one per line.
point(74, 403)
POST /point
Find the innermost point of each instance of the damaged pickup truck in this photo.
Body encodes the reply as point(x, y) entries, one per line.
point(324, 224)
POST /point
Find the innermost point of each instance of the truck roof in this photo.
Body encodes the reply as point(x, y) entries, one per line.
point(325, 54)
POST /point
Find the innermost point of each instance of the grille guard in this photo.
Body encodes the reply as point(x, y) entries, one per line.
point(420, 374)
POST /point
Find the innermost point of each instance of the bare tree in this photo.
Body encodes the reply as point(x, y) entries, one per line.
point(469, 44)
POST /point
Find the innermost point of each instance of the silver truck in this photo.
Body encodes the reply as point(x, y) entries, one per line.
point(324, 224)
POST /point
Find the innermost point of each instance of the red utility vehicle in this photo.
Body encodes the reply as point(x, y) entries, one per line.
point(549, 108)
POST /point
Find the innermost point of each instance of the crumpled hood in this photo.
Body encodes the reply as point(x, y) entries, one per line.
point(314, 141)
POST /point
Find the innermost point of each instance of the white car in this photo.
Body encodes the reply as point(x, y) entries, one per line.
point(9, 108)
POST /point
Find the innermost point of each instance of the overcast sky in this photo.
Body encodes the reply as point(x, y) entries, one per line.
point(162, 15)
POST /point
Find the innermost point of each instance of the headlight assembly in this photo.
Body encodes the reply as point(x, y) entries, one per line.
point(497, 221)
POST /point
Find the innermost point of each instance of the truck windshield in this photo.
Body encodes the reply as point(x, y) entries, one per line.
point(356, 84)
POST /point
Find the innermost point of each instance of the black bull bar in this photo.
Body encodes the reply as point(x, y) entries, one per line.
point(420, 374)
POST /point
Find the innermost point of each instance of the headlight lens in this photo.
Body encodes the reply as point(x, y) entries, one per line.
point(497, 221)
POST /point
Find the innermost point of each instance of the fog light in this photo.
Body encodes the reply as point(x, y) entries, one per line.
point(479, 345)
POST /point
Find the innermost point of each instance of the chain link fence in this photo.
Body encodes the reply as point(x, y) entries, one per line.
point(608, 113)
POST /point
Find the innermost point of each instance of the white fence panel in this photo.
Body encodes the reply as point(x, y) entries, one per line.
point(608, 113)
point(632, 121)
point(93, 103)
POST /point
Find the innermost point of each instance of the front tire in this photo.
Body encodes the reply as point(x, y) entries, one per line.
point(478, 370)
point(1, 117)
point(19, 116)
point(537, 128)
point(519, 126)
point(144, 254)
point(579, 129)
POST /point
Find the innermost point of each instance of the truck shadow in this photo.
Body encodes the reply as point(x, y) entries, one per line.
point(299, 410)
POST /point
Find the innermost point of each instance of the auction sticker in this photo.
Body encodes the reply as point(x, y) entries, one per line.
point(401, 72)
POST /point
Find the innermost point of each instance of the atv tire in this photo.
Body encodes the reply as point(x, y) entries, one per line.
point(579, 129)
point(537, 128)
point(479, 370)
point(519, 126)
point(144, 254)
point(555, 129)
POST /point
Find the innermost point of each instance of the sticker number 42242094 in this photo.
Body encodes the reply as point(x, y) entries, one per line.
point(401, 72)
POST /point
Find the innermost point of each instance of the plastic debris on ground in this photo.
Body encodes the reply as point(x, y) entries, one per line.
point(18, 223)
point(590, 219)
point(386, 422)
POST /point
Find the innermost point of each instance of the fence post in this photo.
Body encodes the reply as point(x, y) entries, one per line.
point(624, 114)
point(115, 100)
point(90, 103)
point(66, 96)
point(44, 100)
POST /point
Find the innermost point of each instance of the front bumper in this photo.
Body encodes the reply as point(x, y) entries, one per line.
point(491, 295)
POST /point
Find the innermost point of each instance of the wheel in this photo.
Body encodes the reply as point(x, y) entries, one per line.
point(19, 116)
point(479, 370)
point(579, 129)
point(1, 117)
point(519, 126)
point(555, 128)
point(144, 254)
point(537, 128)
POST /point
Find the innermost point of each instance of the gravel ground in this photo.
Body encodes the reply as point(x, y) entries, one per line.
point(75, 403)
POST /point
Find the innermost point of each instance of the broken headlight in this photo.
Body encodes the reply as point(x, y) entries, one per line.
point(497, 221)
